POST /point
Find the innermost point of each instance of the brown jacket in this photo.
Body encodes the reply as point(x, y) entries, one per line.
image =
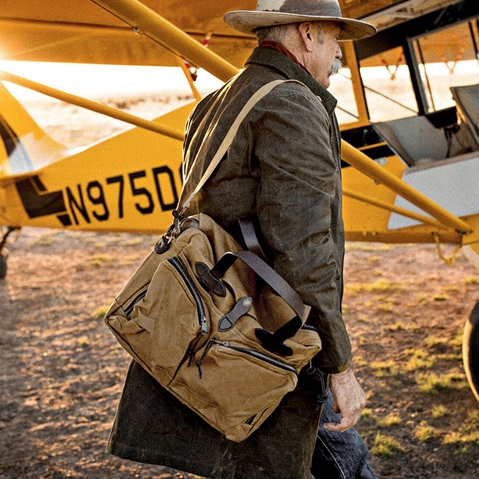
point(283, 167)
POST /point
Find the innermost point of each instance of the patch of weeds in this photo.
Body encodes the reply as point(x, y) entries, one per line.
point(473, 419)
point(462, 450)
point(452, 287)
point(360, 361)
point(386, 446)
point(100, 259)
point(382, 285)
point(457, 340)
point(127, 260)
point(424, 432)
point(368, 415)
point(358, 246)
point(438, 411)
point(422, 299)
point(471, 280)
point(450, 357)
point(385, 369)
point(468, 432)
point(389, 300)
point(46, 240)
point(433, 340)
point(398, 326)
point(132, 241)
point(419, 360)
point(390, 420)
point(73, 234)
point(385, 307)
point(83, 342)
point(363, 319)
point(413, 326)
point(361, 340)
point(100, 312)
point(379, 286)
point(432, 383)
point(351, 289)
point(115, 238)
point(88, 238)
point(440, 297)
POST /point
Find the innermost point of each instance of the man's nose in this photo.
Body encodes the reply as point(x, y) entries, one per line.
point(339, 53)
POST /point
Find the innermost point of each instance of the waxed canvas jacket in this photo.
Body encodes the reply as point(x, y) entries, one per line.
point(284, 168)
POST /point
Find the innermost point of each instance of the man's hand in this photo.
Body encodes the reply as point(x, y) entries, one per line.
point(349, 400)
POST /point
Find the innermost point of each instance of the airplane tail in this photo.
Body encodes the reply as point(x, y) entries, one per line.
point(25, 146)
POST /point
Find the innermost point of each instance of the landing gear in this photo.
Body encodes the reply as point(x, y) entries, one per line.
point(3, 255)
point(470, 350)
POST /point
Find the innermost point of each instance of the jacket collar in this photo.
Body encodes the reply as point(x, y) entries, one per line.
point(272, 58)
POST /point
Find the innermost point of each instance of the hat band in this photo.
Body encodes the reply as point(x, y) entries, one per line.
point(326, 8)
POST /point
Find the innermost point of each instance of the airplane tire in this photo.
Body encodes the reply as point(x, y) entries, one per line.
point(3, 266)
point(470, 350)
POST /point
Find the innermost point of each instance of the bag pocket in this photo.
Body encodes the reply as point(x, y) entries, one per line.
point(232, 387)
point(167, 321)
point(305, 344)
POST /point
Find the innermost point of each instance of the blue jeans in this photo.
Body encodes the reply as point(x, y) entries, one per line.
point(341, 455)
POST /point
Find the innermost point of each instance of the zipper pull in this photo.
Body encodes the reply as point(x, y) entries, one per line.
point(199, 361)
point(203, 325)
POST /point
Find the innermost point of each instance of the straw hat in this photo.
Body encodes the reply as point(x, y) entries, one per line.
point(269, 13)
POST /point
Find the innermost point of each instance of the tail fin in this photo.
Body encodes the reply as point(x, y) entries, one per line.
point(24, 146)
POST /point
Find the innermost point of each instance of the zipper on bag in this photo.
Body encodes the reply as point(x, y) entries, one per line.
point(138, 298)
point(257, 355)
point(178, 265)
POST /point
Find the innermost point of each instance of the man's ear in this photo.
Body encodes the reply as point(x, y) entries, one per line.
point(306, 32)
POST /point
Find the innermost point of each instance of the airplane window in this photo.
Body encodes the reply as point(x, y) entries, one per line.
point(446, 59)
point(387, 85)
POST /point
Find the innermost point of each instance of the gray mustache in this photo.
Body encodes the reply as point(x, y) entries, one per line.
point(336, 66)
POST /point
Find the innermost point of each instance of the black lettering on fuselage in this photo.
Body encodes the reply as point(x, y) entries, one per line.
point(162, 188)
point(106, 200)
point(77, 205)
point(97, 197)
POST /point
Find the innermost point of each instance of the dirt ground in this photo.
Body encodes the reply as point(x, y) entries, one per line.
point(62, 371)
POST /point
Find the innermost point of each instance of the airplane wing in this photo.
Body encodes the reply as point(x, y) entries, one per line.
point(84, 32)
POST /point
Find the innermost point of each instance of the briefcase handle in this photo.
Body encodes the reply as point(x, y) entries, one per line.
point(273, 342)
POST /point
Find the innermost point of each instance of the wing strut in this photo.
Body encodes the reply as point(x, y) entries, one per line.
point(94, 106)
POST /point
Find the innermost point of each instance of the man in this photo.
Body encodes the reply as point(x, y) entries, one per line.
point(282, 169)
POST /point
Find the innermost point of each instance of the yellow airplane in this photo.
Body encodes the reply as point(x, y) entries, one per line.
point(407, 179)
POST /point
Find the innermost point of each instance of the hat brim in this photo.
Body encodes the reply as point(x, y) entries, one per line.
point(247, 21)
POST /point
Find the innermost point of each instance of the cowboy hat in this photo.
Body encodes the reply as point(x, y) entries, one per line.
point(269, 13)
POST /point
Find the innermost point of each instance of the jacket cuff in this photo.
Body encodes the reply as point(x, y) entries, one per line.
point(338, 369)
